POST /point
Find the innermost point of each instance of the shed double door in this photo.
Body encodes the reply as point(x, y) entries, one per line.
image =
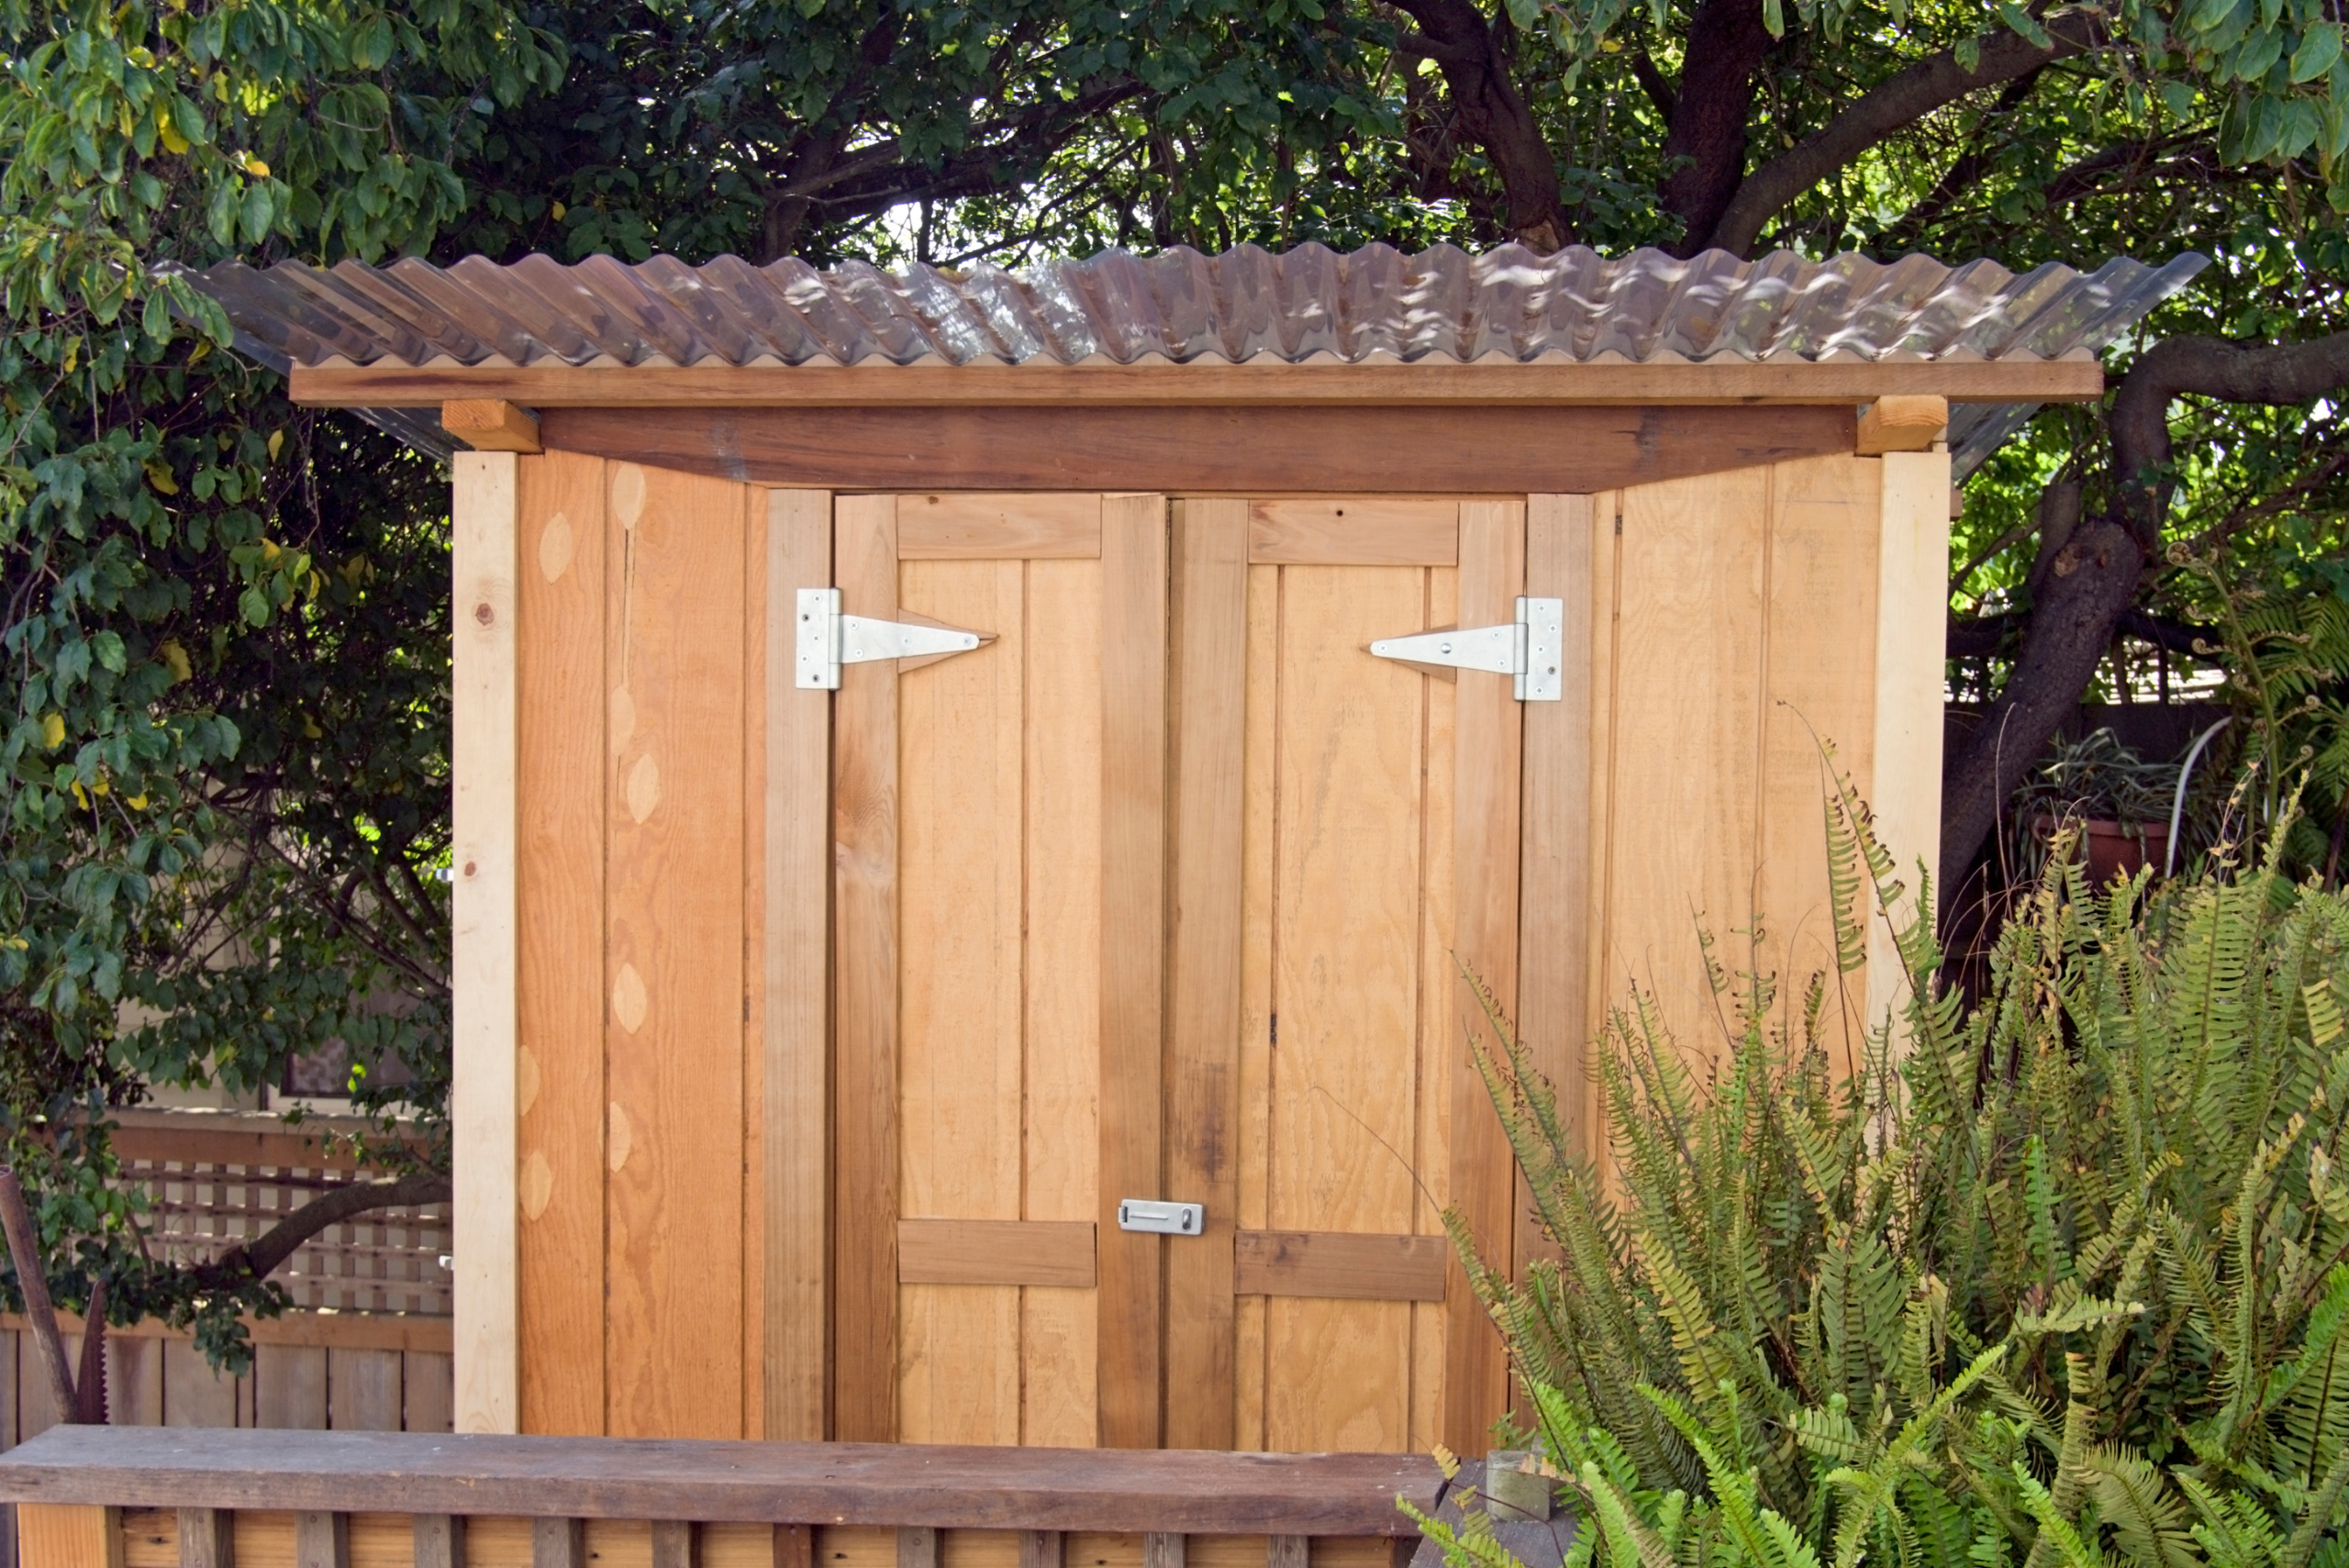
point(1158, 895)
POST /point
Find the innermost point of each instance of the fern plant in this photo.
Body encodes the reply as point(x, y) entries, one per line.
point(2062, 1278)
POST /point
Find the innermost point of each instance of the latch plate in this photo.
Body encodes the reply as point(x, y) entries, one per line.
point(826, 640)
point(1162, 1219)
point(1530, 649)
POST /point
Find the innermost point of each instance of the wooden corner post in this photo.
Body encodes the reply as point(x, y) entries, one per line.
point(1912, 609)
point(482, 833)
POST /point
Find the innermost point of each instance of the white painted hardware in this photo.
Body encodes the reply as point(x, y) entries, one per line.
point(1162, 1219)
point(827, 640)
point(1530, 648)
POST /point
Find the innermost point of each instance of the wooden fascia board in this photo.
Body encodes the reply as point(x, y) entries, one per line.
point(669, 386)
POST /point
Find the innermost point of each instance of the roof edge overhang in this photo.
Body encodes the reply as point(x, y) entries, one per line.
point(2074, 378)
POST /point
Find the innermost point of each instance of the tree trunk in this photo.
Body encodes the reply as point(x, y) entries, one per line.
point(1488, 110)
point(1705, 148)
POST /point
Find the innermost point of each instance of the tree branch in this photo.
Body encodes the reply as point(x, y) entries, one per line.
point(1900, 100)
point(1488, 110)
point(260, 1257)
point(2084, 588)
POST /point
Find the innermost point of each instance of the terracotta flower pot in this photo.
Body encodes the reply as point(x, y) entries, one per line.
point(2114, 848)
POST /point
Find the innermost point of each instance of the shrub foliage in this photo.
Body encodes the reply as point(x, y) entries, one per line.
point(2059, 1278)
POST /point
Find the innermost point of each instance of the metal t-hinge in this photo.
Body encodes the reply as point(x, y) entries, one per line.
point(1531, 647)
point(827, 640)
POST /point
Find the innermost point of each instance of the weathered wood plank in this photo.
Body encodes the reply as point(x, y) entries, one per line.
point(1208, 729)
point(1134, 900)
point(290, 1386)
point(363, 1390)
point(1488, 736)
point(916, 1546)
point(1339, 1265)
point(438, 1540)
point(321, 1538)
point(1287, 449)
point(207, 1538)
point(1189, 1491)
point(1365, 530)
point(485, 849)
point(864, 991)
point(795, 933)
point(1162, 1549)
point(675, 1544)
point(1055, 1253)
point(1042, 1548)
point(558, 1543)
point(564, 695)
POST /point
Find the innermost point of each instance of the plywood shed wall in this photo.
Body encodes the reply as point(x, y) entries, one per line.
point(1171, 801)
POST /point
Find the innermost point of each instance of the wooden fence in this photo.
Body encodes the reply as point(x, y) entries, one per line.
point(214, 1179)
point(117, 1497)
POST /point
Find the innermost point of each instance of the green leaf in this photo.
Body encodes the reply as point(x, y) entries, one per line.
point(2320, 46)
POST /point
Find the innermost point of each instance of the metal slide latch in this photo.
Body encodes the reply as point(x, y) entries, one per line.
point(829, 639)
point(1162, 1219)
point(1531, 647)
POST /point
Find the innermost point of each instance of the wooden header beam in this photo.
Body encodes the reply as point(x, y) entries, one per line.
point(1719, 382)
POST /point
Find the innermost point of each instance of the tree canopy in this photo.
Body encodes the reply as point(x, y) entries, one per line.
point(226, 802)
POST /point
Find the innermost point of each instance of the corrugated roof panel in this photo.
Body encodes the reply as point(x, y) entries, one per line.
point(1305, 304)
point(1309, 303)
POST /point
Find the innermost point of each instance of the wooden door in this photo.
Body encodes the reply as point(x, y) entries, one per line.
point(1163, 893)
point(999, 853)
point(1379, 851)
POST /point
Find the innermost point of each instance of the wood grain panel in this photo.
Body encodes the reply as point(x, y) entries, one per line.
point(1030, 526)
point(53, 1535)
point(1912, 589)
point(1778, 381)
point(750, 1349)
point(1354, 530)
point(1259, 836)
point(795, 936)
point(1207, 726)
point(996, 1251)
point(1339, 1266)
point(483, 933)
point(1605, 583)
point(1686, 738)
point(1061, 1144)
point(1818, 688)
point(961, 739)
point(674, 1039)
point(1486, 847)
point(559, 1092)
point(1239, 450)
point(1133, 883)
point(1350, 736)
point(194, 1394)
point(290, 1387)
point(865, 992)
point(1554, 892)
point(1439, 1041)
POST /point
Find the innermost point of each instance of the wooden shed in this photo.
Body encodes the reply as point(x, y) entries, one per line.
point(959, 893)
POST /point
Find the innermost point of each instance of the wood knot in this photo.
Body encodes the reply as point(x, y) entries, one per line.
point(483, 614)
point(468, 868)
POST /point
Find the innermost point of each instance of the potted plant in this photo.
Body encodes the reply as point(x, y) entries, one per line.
point(2119, 801)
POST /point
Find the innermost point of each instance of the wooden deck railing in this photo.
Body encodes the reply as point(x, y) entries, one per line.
point(133, 1497)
